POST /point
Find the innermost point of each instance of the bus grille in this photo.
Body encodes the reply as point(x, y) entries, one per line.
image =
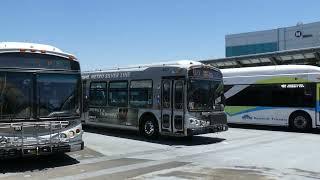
point(216, 118)
point(62, 148)
point(30, 134)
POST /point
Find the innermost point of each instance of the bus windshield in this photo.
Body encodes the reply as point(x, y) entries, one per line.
point(15, 95)
point(202, 94)
point(58, 95)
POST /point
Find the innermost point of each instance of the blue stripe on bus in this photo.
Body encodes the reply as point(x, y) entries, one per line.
point(318, 106)
point(260, 108)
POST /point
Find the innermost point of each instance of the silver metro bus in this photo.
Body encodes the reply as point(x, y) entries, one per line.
point(174, 98)
point(40, 100)
point(284, 95)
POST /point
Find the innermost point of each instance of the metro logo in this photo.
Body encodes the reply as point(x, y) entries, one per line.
point(247, 117)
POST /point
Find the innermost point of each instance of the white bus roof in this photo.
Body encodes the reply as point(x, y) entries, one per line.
point(32, 47)
point(141, 67)
point(270, 70)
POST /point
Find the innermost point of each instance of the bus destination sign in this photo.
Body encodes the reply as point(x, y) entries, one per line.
point(205, 73)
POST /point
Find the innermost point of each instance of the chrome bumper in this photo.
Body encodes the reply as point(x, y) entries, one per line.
point(38, 138)
point(208, 129)
point(14, 152)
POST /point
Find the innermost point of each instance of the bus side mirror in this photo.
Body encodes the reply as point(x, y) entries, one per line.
point(221, 107)
point(223, 100)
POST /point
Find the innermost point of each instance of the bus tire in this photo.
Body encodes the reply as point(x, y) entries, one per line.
point(300, 121)
point(149, 127)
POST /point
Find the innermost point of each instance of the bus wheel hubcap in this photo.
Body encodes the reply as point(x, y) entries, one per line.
point(300, 122)
point(149, 128)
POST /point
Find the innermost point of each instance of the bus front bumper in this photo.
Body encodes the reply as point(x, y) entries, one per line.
point(44, 149)
point(208, 129)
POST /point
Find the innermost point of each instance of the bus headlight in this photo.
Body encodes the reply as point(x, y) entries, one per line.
point(197, 122)
point(194, 121)
point(78, 131)
point(63, 136)
point(71, 134)
point(3, 140)
point(68, 134)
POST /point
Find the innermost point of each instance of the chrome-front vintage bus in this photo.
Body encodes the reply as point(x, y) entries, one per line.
point(283, 95)
point(40, 100)
point(174, 98)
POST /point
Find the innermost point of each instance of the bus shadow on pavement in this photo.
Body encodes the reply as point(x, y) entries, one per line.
point(271, 128)
point(165, 140)
point(29, 164)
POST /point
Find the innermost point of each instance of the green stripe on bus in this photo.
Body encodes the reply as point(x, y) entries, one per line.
point(282, 79)
point(318, 93)
point(232, 110)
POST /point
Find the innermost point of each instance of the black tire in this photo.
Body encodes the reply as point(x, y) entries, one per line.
point(149, 127)
point(300, 122)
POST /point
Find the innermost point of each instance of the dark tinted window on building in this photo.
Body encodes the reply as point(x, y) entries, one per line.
point(251, 49)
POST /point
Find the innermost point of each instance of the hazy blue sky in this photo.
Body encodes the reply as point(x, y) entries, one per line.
point(108, 33)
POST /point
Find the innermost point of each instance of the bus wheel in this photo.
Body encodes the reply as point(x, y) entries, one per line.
point(300, 122)
point(149, 128)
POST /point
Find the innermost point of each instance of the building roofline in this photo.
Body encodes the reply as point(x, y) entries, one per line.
point(293, 56)
point(271, 29)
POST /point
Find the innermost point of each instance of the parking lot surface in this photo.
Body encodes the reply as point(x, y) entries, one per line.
point(240, 153)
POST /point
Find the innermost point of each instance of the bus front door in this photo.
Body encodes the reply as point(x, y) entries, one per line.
point(172, 106)
point(85, 102)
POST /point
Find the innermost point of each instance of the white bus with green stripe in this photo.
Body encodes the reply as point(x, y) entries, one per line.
point(283, 95)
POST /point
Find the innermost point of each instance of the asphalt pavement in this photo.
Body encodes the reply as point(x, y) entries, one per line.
point(240, 153)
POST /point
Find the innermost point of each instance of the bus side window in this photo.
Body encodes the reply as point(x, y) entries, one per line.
point(252, 95)
point(141, 93)
point(98, 94)
point(309, 95)
point(118, 93)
